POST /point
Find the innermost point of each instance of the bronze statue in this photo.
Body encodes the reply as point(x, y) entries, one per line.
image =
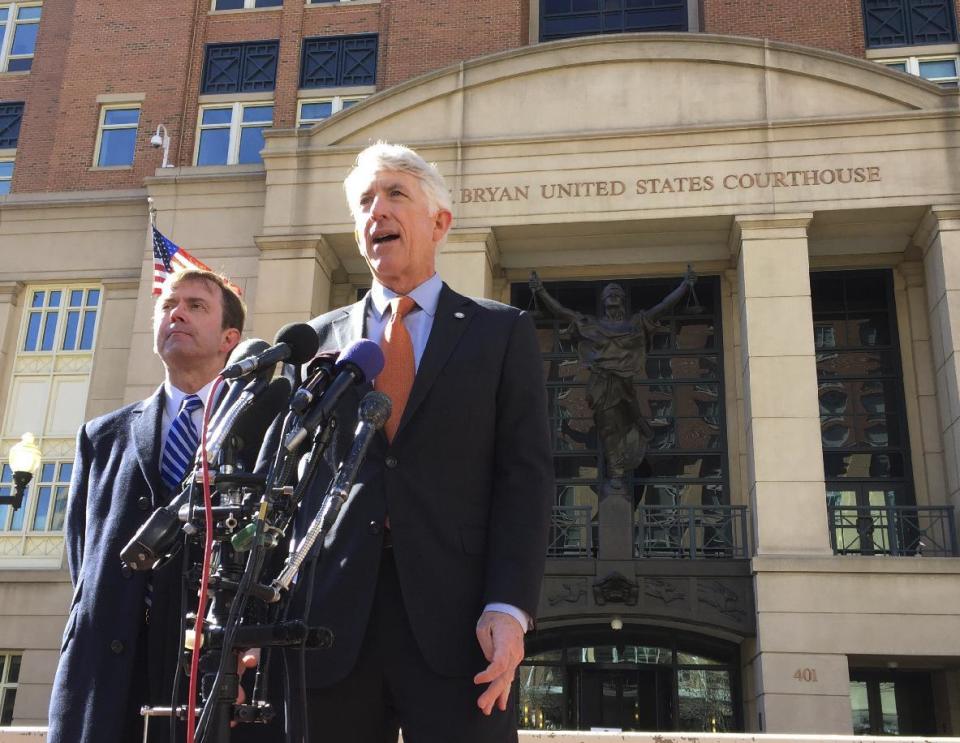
point(613, 348)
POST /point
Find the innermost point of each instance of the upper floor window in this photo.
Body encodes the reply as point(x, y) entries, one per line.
point(560, 19)
point(10, 116)
point(334, 61)
point(44, 507)
point(241, 4)
point(9, 678)
point(62, 319)
point(315, 110)
point(20, 23)
point(117, 135)
point(232, 133)
point(908, 22)
point(240, 68)
point(940, 70)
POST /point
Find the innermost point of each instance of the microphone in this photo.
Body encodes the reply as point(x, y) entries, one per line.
point(320, 372)
point(250, 416)
point(232, 390)
point(373, 413)
point(296, 343)
point(359, 362)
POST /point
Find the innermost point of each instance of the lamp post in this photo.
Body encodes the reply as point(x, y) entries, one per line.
point(24, 460)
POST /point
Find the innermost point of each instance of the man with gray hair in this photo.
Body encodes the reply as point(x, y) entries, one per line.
point(432, 575)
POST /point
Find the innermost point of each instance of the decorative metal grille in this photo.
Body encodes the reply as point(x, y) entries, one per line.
point(908, 22)
point(893, 530)
point(240, 68)
point(560, 19)
point(339, 60)
point(10, 117)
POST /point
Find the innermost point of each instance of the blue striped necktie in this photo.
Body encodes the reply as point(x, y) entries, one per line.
point(181, 446)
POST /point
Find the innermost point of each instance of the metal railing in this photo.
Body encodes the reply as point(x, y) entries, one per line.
point(571, 532)
point(691, 532)
point(893, 530)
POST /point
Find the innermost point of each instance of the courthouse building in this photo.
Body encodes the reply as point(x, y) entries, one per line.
point(784, 558)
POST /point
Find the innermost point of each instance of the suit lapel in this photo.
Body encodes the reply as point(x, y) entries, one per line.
point(146, 435)
point(454, 312)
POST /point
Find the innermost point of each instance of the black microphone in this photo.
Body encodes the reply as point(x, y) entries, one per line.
point(296, 343)
point(252, 413)
point(320, 372)
point(247, 349)
point(374, 411)
point(359, 362)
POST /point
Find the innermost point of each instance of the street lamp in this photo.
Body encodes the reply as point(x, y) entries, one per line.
point(24, 462)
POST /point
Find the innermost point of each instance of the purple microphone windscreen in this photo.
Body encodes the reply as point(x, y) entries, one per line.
point(365, 355)
point(302, 340)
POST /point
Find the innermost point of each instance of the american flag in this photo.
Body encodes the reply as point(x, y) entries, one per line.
point(169, 258)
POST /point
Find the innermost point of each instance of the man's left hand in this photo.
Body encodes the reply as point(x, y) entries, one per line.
point(501, 639)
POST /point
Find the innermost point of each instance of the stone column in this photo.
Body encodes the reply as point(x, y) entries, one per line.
point(10, 293)
point(786, 690)
point(939, 238)
point(108, 375)
point(468, 261)
point(781, 409)
point(295, 274)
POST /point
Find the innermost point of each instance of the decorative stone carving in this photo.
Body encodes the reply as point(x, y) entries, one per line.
point(715, 594)
point(616, 589)
point(566, 591)
point(664, 591)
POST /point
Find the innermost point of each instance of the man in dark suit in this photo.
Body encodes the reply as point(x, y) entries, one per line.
point(120, 643)
point(432, 575)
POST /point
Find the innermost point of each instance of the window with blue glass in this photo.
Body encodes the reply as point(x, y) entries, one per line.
point(10, 117)
point(44, 506)
point(117, 136)
point(19, 24)
point(6, 176)
point(908, 22)
point(232, 133)
point(335, 61)
point(315, 110)
point(245, 4)
point(561, 19)
point(240, 68)
point(61, 319)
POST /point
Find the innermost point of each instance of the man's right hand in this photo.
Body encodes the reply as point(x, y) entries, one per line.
point(535, 283)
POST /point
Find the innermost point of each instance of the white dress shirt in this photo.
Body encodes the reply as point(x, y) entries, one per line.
point(173, 399)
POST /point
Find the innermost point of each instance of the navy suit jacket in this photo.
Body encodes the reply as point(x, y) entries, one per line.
point(115, 486)
point(467, 483)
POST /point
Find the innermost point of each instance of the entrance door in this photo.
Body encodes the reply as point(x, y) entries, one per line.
point(624, 699)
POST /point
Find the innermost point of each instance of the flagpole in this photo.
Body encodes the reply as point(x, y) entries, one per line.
point(152, 210)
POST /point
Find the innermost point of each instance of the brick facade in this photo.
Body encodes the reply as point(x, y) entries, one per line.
point(90, 48)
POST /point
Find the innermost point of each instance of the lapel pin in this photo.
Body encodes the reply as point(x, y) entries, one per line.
point(459, 315)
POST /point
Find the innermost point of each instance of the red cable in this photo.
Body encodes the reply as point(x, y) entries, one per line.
point(205, 574)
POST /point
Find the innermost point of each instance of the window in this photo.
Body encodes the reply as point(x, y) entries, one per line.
point(560, 19)
point(892, 703)
point(232, 133)
point(317, 109)
point(9, 676)
point(241, 4)
point(20, 23)
point(10, 116)
point(117, 136)
point(44, 506)
point(908, 22)
point(6, 176)
point(61, 318)
point(335, 61)
point(866, 456)
point(941, 70)
point(240, 68)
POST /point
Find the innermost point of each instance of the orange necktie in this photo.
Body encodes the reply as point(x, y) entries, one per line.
point(399, 369)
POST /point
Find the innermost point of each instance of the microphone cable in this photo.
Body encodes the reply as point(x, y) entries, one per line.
point(205, 570)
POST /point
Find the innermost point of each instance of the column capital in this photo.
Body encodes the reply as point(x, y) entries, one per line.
point(469, 240)
point(10, 291)
point(939, 218)
point(768, 227)
point(292, 247)
point(912, 272)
